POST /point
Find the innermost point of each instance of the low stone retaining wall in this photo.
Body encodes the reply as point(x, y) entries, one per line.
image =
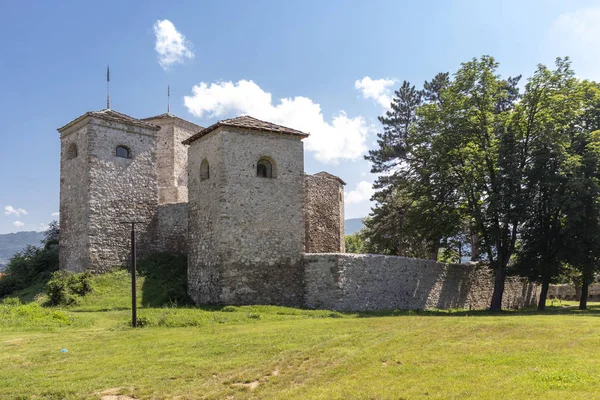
point(570, 292)
point(363, 282)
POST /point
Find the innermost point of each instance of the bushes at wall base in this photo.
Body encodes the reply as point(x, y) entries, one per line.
point(65, 288)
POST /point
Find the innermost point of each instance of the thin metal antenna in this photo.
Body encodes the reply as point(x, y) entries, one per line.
point(169, 99)
point(108, 87)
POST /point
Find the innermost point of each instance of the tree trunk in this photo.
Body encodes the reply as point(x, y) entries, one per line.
point(435, 249)
point(584, 294)
point(474, 242)
point(544, 293)
point(399, 247)
point(496, 304)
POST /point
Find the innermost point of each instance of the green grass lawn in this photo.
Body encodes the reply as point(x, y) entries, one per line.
point(285, 353)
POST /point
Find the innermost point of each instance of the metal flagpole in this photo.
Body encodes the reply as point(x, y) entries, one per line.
point(107, 87)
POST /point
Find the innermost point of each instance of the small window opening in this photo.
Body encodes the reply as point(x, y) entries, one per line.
point(264, 169)
point(204, 170)
point(123, 152)
point(72, 151)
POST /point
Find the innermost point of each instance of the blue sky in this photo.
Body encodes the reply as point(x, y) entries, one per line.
point(327, 67)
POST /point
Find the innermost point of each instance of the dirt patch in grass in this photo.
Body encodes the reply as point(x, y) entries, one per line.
point(250, 385)
point(113, 394)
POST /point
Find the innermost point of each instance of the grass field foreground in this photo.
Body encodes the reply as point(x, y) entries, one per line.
point(285, 353)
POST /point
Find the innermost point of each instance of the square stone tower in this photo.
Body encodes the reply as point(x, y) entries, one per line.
point(246, 213)
point(107, 176)
point(324, 218)
point(171, 156)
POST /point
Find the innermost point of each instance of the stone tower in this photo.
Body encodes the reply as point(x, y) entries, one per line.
point(107, 176)
point(324, 218)
point(171, 156)
point(246, 213)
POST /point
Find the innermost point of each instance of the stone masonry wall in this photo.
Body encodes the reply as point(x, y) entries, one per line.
point(247, 232)
point(120, 189)
point(74, 198)
point(570, 292)
point(324, 218)
point(361, 282)
point(204, 259)
point(172, 157)
point(168, 229)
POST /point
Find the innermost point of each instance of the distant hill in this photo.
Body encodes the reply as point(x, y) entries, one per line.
point(353, 225)
point(11, 243)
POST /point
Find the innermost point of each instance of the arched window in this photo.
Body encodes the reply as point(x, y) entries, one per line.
point(264, 168)
point(72, 151)
point(123, 152)
point(204, 170)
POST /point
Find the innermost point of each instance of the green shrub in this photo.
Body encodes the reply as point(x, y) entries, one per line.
point(15, 314)
point(31, 265)
point(27, 267)
point(11, 302)
point(64, 288)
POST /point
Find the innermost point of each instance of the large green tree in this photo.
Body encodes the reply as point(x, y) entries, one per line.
point(518, 172)
point(416, 199)
point(480, 134)
point(582, 241)
point(551, 103)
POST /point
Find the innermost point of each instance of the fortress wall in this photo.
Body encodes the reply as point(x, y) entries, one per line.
point(181, 131)
point(362, 282)
point(203, 220)
point(121, 189)
point(168, 229)
point(165, 159)
point(172, 157)
point(324, 214)
point(246, 232)
point(261, 220)
point(74, 198)
point(570, 292)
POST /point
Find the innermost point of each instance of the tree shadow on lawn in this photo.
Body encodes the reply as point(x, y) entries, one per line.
point(593, 310)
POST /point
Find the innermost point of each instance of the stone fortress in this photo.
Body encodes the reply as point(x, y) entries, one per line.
point(234, 197)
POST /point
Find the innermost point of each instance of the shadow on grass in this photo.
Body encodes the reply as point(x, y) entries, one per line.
point(107, 309)
point(30, 293)
point(165, 280)
point(593, 310)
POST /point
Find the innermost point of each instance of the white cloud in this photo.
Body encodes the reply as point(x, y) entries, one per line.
point(342, 138)
point(18, 224)
point(10, 210)
point(577, 34)
point(55, 214)
point(171, 46)
point(363, 192)
point(42, 227)
point(376, 89)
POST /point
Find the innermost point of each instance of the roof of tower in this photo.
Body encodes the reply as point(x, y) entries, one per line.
point(330, 176)
point(248, 122)
point(170, 116)
point(111, 115)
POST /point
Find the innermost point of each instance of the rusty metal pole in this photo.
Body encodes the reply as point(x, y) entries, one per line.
point(133, 286)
